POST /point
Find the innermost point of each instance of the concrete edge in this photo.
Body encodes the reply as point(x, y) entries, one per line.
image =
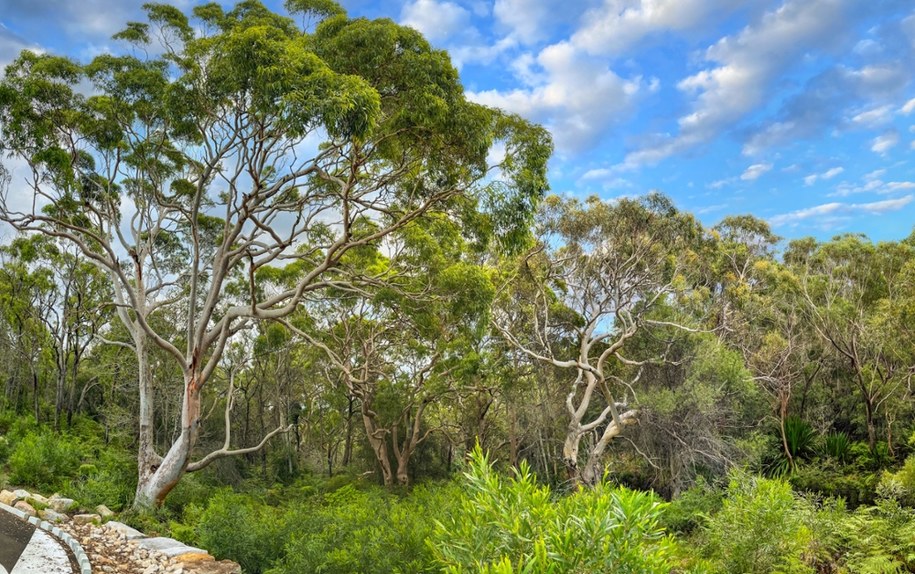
point(81, 558)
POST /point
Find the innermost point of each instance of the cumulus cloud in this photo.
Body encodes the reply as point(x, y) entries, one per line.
point(755, 171)
point(531, 21)
point(617, 25)
point(828, 174)
point(874, 117)
point(576, 116)
point(885, 142)
point(437, 20)
point(837, 210)
point(90, 20)
point(858, 91)
point(746, 64)
point(872, 183)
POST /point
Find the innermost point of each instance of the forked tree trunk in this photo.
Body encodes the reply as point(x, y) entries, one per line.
point(158, 477)
point(591, 471)
point(378, 441)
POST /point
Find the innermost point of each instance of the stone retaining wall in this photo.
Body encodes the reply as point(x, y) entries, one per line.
point(110, 546)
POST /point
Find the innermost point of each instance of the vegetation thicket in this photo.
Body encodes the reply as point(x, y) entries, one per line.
point(280, 290)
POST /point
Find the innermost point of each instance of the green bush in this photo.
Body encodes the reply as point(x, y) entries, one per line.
point(876, 540)
point(838, 446)
point(237, 527)
point(44, 460)
point(692, 507)
point(111, 481)
point(511, 524)
point(762, 528)
point(828, 481)
point(367, 531)
point(901, 483)
point(191, 490)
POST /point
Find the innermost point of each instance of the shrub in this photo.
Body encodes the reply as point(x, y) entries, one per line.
point(237, 527)
point(761, 528)
point(877, 540)
point(367, 531)
point(111, 481)
point(692, 507)
point(838, 446)
point(44, 460)
point(512, 524)
point(902, 482)
point(800, 439)
point(855, 486)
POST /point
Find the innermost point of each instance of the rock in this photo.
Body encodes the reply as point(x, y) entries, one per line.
point(22, 494)
point(192, 558)
point(86, 518)
point(7, 497)
point(38, 498)
point(51, 515)
point(167, 546)
point(103, 511)
point(124, 530)
point(221, 567)
point(25, 507)
point(61, 504)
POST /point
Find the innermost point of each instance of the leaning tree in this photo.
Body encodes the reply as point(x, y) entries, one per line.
point(226, 144)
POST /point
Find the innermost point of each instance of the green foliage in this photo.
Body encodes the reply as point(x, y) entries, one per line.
point(837, 445)
point(44, 460)
point(826, 480)
point(366, 531)
point(508, 525)
point(761, 528)
point(876, 540)
point(238, 527)
point(111, 480)
point(800, 437)
point(900, 485)
point(693, 507)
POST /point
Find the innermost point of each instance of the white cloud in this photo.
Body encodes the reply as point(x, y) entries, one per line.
point(617, 25)
point(835, 210)
point(872, 184)
point(437, 20)
point(719, 183)
point(899, 186)
point(828, 174)
point(710, 208)
point(755, 171)
point(576, 96)
point(874, 117)
point(747, 63)
point(598, 173)
point(877, 173)
point(530, 21)
point(885, 142)
point(908, 107)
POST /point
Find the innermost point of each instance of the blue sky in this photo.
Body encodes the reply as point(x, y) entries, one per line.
point(801, 112)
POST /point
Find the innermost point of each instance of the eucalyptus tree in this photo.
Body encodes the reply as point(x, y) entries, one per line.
point(578, 300)
point(404, 346)
point(851, 293)
point(27, 299)
point(762, 316)
point(233, 142)
point(73, 308)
